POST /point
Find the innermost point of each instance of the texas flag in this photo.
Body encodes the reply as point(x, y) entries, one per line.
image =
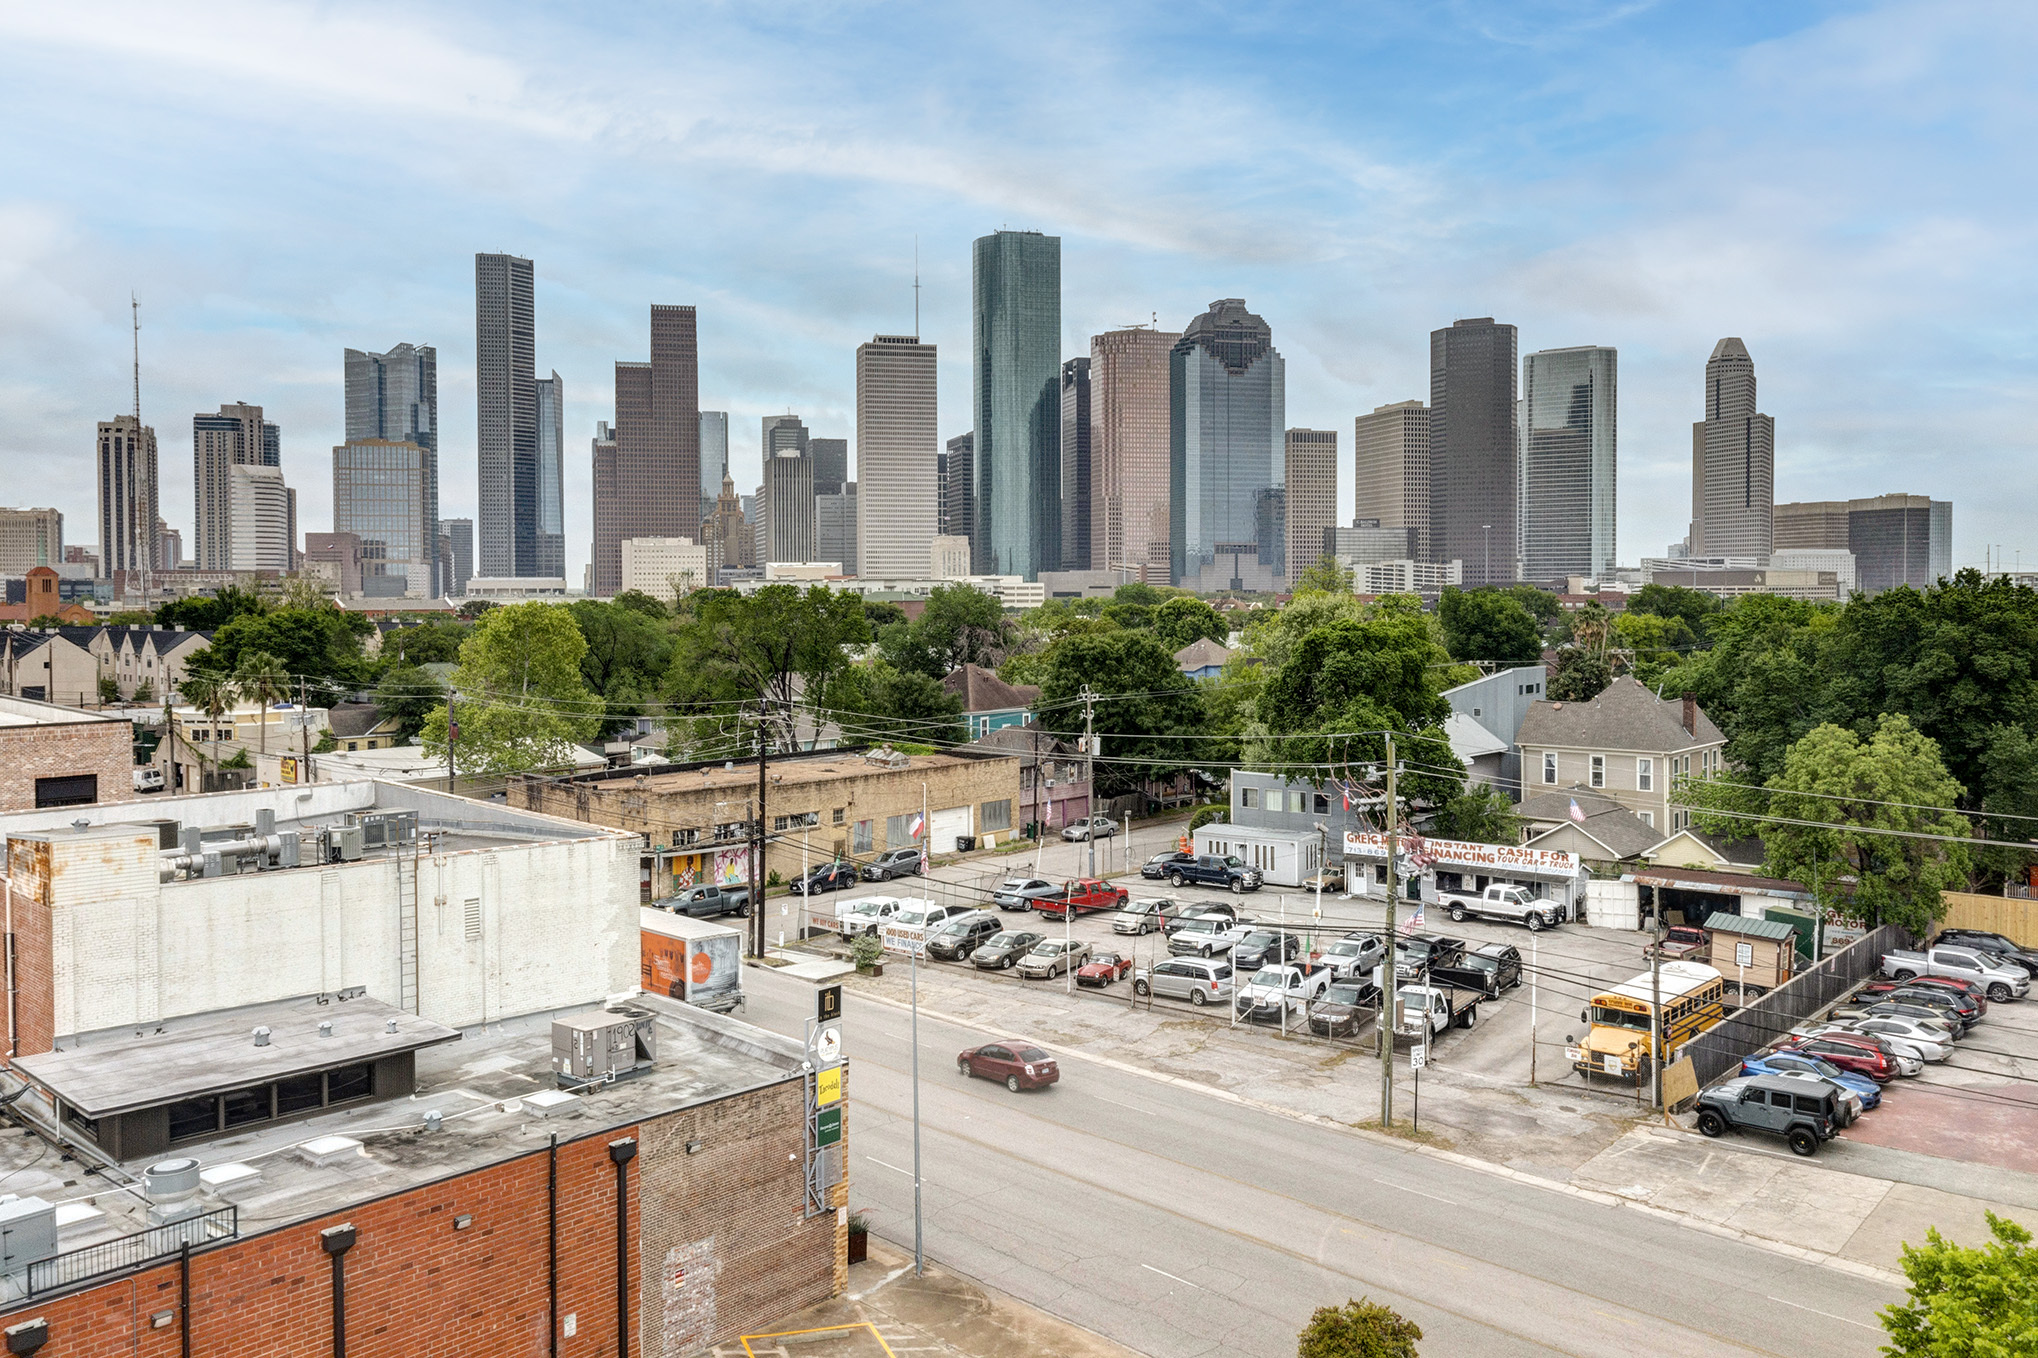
point(1577, 813)
point(920, 822)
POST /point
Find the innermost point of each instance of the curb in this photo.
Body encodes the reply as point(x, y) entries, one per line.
point(1799, 1253)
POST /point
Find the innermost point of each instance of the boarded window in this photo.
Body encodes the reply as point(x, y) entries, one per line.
point(995, 816)
point(73, 789)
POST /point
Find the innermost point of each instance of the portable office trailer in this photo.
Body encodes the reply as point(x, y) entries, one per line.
point(1283, 857)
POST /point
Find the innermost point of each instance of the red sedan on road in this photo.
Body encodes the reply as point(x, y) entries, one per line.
point(1104, 968)
point(1021, 1065)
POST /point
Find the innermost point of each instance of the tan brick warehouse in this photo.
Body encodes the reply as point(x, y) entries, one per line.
point(61, 756)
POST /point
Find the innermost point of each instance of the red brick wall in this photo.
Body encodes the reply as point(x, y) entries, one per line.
point(35, 976)
point(416, 1287)
point(31, 752)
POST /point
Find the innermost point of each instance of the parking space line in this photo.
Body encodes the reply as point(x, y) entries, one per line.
point(1827, 1314)
point(1418, 1193)
point(1165, 1274)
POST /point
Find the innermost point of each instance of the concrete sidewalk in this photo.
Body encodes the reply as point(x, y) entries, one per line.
point(888, 1312)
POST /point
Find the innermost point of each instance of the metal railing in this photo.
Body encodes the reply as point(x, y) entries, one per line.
point(131, 1251)
point(1718, 1051)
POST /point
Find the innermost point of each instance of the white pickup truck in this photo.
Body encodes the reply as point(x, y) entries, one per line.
point(1423, 1011)
point(1998, 980)
point(1271, 988)
point(1506, 902)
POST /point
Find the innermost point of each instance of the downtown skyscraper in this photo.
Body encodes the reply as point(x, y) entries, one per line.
point(1569, 402)
point(898, 456)
point(1733, 462)
point(128, 494)
point(647, 483)
point(1227, 403)
point(237, 452)
point(1309, 499)
point(394, 398)
point(506, 415)
point(1390, 473)
point(1015, 363)
point(1472, 449)
point(1129, 453)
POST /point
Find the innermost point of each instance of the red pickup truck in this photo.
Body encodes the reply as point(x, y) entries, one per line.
point(1087, 893)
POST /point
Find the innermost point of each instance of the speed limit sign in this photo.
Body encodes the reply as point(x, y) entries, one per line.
point(1418, 1057)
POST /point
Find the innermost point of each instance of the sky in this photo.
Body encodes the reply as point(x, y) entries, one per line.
point(1846, 186)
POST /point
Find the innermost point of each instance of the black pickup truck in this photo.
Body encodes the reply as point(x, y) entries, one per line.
point(1210, 869)
point(706, 902)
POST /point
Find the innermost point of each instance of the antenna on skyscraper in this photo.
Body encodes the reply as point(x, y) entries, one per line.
point(916, 287)
point(136, 304)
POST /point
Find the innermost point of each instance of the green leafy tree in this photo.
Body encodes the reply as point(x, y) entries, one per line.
point(521, 701)
point(321, 646)
point(409, 694)
point(1826, 820)
point(1763, 679)
point(130, 617)
point(109, 689)
point(262, 679)
point(205, 613)
point(1149, 714)
point(629, 649)
point(1358, 1329)
point(1323, 576)
point(775, 649)
point(1694, 607)
point(1185, 619)
point(1578, 676)
point(881, 613)
point(430, 643)
point(211, 691)
point(1480, 814)
point(1541, 604)
point(876, 702)
point(1489, 625)
point(1653, 644)
point(1966, 1302)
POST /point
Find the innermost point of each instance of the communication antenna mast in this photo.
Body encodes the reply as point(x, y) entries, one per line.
point(142, 534)
point(916, 287)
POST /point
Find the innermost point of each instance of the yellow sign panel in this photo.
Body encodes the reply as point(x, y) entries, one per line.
point(289, 769)
point(1680, 1082)
point(828, 1086)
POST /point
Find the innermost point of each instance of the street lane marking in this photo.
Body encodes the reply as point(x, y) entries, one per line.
point(1827, 1314)
point(1418, 1193)
point(893, 1168)
point(1165, 1274)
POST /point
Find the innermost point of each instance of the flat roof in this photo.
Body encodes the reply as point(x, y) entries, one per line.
point(783, 774)
point(1719, 883)
point(481, 1086)
point(29, 712)
point(182, 1058)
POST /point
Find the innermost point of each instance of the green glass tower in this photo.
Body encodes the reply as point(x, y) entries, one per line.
point(1015, 351)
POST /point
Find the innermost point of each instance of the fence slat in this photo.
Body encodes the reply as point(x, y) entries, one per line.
point(131, 1251)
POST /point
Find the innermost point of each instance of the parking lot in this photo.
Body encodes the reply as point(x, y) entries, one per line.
point(1980, 1105)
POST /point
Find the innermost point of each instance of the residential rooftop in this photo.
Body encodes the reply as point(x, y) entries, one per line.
point(820, 766)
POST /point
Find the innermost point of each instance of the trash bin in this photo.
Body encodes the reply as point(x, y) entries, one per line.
point(965, 843)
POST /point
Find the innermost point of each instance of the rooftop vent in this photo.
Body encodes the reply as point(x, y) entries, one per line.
point(328, 1150)
point(262, 1036)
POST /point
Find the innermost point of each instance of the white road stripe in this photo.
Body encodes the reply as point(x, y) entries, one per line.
point(1165, 1274)
point(893, 1168)
point(1827, 1314)
point(1418, 1192)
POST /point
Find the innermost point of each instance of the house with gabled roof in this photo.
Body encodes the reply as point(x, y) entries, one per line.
point(1627, 743)
point(988, 702)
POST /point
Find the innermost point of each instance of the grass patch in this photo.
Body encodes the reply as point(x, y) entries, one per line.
point(1401, 1129)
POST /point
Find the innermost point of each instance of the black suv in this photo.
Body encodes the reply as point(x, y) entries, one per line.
point(827, 877)
point(1981, 941)
point(1210, 869)
point(1801, 1112)
point(954, 940)
point(1491, 967)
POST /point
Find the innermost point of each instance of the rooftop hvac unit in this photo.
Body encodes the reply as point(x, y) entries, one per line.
point(602, 1046)
point(343, 843)
point(28, 1232)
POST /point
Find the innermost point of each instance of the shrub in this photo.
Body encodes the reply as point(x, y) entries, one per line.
point(867, 951)
point(1358, 1329)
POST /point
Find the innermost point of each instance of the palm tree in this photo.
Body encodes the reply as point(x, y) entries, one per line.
point(210, 692)
point(262, 679)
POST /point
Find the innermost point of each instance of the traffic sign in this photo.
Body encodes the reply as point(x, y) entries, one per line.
point(1418, 1056)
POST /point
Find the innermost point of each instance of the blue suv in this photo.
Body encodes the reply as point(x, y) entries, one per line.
point(1776, 1063)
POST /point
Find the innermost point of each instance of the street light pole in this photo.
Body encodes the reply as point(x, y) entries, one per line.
point(1386, 1019)
point(1089, 696)
point(919, 1252)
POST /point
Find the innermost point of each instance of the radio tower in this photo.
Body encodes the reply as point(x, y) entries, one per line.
point(144, 533)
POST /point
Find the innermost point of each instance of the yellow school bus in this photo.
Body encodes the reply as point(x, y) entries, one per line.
point(1617, 1043)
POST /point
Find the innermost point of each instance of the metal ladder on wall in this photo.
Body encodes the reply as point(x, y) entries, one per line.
point(407, 927)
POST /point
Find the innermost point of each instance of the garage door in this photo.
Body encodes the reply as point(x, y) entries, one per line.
point(949, 824)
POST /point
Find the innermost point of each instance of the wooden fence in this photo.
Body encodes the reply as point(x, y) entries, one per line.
point(2014, 918)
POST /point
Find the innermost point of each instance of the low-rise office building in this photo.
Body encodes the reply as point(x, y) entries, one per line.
point(52, 756)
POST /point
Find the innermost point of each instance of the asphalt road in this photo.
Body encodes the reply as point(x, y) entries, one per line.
point(1179, 1223)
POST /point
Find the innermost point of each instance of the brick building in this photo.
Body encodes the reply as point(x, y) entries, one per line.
point(59, 756)
point(822, 805)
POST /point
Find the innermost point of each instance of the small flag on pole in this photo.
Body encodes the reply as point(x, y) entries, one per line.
point(920, 823)
point(1577, 813)
point(1414, 921)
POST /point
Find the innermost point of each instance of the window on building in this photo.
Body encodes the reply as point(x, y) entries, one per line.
point(194, 1117)
point(1322, 803)
point(730, 829)
point(798, 820)
point(899, 831)
point(350, 1082)
point(244, 1106)
point(353, 745)
point(841, 814)
point(299, 1094)
point(1648, 818)
point(1645, 775)
point(1249, 798)
point(71, 789)
point(1549, 766)
point(1598, 770)
point(681, 838)
point(995, 816)
point(859, 837)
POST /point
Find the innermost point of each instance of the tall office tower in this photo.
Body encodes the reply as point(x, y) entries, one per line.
point(1569, 399)
point(1733, 462)
point(714, 456)
point(606, 506)
point(1390, 470)
point(1895, 539)
point(169, 547)
point(1270, 528)
point(1472, 452)
point(1310, 504)
point(1015, 362)
point(831, 464)
point(262, 531)
point(1129, 452)
point(506, 415)
point(456, 569)
point(785, 518)
point(957, 475)
point(729, 538)
point(395, 396)
point(1077, 461)
point(898, 455)
point(836, 528)
point(128, 539)
point(35, 537)
point(237, 436)
point(1226, 434)
point(782, 434)
point(655, 488)
point(551, 529)
point(385, 492)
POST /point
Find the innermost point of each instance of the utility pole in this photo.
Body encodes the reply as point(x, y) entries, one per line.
point(452, 736)
point(1656, 1005)
point(1089, 697)
point(304, 726)
point(756, 929)
point(1386, 1020)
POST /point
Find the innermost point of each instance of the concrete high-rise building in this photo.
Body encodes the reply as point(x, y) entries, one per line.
point(1227, 401)
point(458, 567)
point(1310, 502)
point(506, 415)
point(714, 456)
point(729, 538)
point(128, 497)
point(551, 527)
point(653, 490)
point(898, 457)
point(1129, 452)
point(783, 434)
point(262, 532)
point(605, 503)
point(1895, 539)
point(665, 568)
point(395, 397)
point(1472, 449)
point(1015, 365)
point(957, 475)
point(831, 464)
point(836, 530)
point(1077, 490)
point(169, 547)
point(1569, 399)
point(237, 436)
point(785, 508)
point(35, 537)
point(1270, 532)
point(1733, 462)
point(385, 492)
point(1390, 471)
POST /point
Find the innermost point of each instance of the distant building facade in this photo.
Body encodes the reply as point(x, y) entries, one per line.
point(385, 493)
point(1733, 461)
point(394, 396)
point(237, 436)
point(459, 537)
point(1227, 399)
point(1129, 452)
point(785, 521)
point(263, 522)
point(35, 537)
point(1568, 463)
point(1472, 443)
point(1390, 470)
point(665, 568)
point(652, 487)
point(1894, 539)
point(506, 414)
point(714, 456)
point(836, 535)
point(897, 502)
point(1311, 495)
point(956, 473)
point(1077, 491)
point(129, 498)
point(1015, 361)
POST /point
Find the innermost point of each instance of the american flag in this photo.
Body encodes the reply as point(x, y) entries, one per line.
point(1414, 921)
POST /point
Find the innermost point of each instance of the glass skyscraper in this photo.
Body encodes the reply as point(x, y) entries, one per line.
point(550, 555)
point(506, 415)
point(1015, 362)
point(395, 396)
point(1227, 431)
point(714, 457)
point(1474, 450)
point(1567, 463)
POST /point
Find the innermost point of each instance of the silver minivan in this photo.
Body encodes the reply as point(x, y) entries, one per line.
point(1199, 980)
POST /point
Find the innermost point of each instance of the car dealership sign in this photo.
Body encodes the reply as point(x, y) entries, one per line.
point(1458, 853)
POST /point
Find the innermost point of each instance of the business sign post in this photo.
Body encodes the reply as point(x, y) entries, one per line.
point(824, 1102)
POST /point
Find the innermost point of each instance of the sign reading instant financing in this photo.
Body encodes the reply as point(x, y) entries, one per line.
point(1458, 852)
